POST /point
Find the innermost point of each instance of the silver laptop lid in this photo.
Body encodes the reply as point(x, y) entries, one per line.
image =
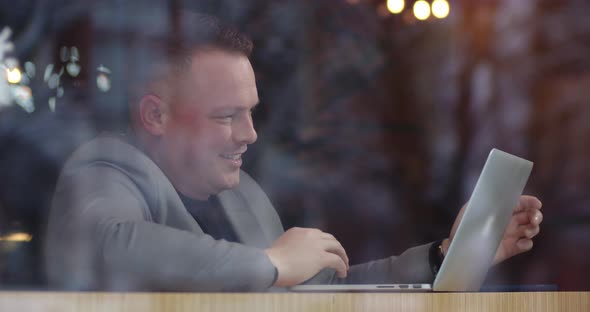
point(484, 222)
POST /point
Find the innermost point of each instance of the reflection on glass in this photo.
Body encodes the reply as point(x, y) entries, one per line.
point(48, 72)
point(74, 54)
point(64, 54)
point(53, 81)
point(51, 103)
point(30, 69)
point(103, 82)
point(23, 96)
point(73, 69)
point(5, 44)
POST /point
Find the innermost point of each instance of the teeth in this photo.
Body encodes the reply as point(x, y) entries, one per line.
point(232, 156)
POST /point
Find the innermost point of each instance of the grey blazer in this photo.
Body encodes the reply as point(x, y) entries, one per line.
point(117, 223)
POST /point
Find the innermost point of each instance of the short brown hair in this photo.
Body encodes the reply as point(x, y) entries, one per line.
point(191, 33)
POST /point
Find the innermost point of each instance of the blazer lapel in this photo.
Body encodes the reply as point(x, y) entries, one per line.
point(242, 219)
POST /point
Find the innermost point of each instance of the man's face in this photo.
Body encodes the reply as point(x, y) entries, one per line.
point(209, 125)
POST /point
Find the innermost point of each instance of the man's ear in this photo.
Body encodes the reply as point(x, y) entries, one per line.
point(153, 114)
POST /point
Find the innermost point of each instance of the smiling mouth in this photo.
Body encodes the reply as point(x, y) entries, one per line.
point(237, 156)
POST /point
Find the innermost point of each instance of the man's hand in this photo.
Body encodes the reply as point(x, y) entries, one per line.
point(300, 253)
point(523, 226)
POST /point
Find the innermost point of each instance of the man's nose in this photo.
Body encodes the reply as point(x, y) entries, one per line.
point(245, 133)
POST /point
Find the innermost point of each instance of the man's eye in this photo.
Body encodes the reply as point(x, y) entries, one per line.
point(226, 118)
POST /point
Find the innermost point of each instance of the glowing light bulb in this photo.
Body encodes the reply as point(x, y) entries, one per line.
point(17, 237)
point(421, 10)
point(13, 76)
point(440, 8)
point(395, 6)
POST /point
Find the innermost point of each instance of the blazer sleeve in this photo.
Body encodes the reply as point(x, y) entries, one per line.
point(100, 236)
point(410, 267)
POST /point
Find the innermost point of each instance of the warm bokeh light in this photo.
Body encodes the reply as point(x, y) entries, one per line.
point(16, 237)
point(395, 6)
point(14, 75)
point(440, 8)
point(421, 10)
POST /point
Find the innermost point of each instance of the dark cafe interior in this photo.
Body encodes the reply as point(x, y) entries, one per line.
point(372, 123)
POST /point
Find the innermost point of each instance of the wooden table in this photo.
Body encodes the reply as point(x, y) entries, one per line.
point(260, 302)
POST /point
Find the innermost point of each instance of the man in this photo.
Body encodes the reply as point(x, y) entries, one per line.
point(168, 208)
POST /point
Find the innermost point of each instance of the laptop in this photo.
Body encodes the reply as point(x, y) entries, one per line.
point(478, 236)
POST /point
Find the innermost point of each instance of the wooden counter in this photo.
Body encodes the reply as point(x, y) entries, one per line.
point(260, 302)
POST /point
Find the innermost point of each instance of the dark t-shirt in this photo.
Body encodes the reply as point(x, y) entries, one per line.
point(211, 217)
point(213, 221)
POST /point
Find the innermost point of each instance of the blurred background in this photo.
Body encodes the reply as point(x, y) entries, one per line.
point(374, 113)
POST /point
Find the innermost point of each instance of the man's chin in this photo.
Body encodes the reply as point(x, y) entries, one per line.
point(231, 181)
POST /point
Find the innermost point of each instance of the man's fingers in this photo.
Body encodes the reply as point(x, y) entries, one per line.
point(325, 235)
point(335, 262)
point(334, 246)
point(528, 231)
point(524, 231)
point(532, 216)
point(535, 216)
point(6, 32)
point(524, 244)
point(521, 217)
point(526, 202)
